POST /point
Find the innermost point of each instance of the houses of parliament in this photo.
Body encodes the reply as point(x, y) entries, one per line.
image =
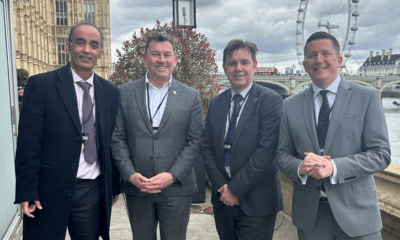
point(41, 29)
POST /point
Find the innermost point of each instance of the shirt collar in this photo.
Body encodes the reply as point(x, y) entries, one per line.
point(243, 93)
point(76, 78)
point(167, 84)
point(333, 87)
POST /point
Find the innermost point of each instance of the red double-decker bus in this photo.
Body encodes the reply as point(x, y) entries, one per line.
point(265, 71)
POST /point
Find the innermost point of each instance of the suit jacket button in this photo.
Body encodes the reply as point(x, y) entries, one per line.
point(151, 158)
point(69, 193)
point(319, 188)
point(73, 166)
point(78, 139)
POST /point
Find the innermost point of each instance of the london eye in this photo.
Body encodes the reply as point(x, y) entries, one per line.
point(338, 17)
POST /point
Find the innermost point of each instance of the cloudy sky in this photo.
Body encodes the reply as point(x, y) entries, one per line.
point(271, 24)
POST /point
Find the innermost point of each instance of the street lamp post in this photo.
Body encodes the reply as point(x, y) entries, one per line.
point(184, 13)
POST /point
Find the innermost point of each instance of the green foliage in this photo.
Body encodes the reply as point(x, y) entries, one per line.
point(196, 65)
point(22, 77)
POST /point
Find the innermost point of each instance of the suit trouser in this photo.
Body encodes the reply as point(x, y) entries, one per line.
point(326, 228)
point(86, 217)
point(233, 224)
point(146, 211)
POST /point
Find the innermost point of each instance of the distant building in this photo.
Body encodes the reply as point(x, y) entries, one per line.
point(381, 65)
point(41, 31)
point(289, 71)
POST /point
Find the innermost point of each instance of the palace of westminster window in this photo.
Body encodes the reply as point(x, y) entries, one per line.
point(61, 12)
point(63, 56)
point(88, 8)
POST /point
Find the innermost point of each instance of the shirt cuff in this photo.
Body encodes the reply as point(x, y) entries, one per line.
point(302, 178)
point(334, 176)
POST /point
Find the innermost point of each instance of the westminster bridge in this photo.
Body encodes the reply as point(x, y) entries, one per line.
point(289, 85)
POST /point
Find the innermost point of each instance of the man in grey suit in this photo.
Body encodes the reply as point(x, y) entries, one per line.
point(333, 138)
point(155, 144)
point(239, 145)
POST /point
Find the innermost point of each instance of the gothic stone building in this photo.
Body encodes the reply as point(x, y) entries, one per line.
point(41, 29)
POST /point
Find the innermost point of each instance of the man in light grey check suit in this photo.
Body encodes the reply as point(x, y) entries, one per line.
point(333, 138)
point(155, 144)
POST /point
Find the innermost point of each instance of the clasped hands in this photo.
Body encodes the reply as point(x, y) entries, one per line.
point(316, 166)
point(227, 197)
point(154, 184)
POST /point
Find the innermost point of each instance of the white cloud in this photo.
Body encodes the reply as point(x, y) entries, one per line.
point(268, 23)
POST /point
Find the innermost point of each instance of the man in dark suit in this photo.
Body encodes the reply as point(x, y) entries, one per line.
point(239, 145)
point(333, 138)
point(64, 173)
point(155, 144)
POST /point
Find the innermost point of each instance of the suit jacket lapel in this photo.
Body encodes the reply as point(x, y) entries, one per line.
point(307, 105)
point(101, 97)
point(173, 96)
point(341, 100)
point(248, 109)
point(141, 100)
point(67, 92)
point(223, 111)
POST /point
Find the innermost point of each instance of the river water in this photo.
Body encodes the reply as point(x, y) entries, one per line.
point(392, 114)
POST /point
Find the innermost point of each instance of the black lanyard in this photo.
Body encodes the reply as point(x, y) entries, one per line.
point(148, 102)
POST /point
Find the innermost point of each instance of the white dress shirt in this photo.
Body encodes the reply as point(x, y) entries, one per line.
point(228, 118)
point(317, 100)
point(156, 96)
point(85, 170)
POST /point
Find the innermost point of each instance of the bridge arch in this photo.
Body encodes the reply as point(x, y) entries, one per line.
point(286, 88)
point(362, 83)
point(302, 85)
point(389, 83)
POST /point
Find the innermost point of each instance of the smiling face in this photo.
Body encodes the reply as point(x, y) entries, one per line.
point(85, 49)
point(322, 62)
point(240, 68)
point(160, 61)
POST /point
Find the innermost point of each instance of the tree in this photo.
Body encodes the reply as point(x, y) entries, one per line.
point(22, 77)
point(196, 66)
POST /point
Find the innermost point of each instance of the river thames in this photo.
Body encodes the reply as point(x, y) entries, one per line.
point(392, 114)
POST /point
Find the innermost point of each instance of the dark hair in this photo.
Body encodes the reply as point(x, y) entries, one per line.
point(159, 37)
point(71, 33)
point(323, 35)
point(238, 44)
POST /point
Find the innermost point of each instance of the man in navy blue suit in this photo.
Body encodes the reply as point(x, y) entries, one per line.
point(239, 145)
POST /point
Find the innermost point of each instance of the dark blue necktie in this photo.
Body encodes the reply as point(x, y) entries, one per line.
point(90, 152)
point(323, 123)
point(323, 119)
point(232, 128)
